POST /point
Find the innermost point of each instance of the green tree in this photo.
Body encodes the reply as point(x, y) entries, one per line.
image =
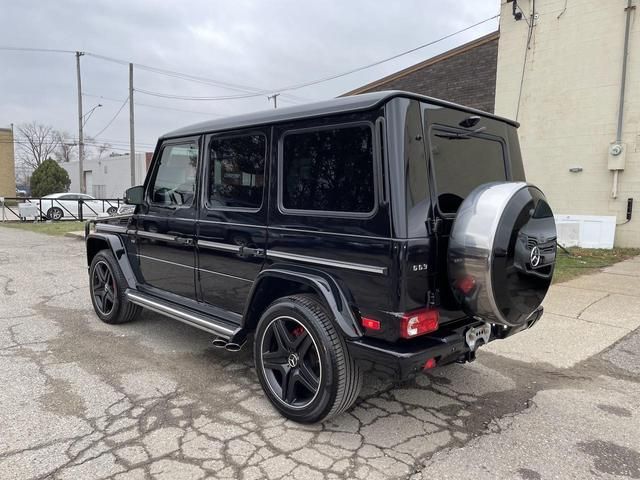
point(48, 178)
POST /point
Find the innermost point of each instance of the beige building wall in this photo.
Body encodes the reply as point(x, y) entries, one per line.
point(7, 164)
point(569, 103)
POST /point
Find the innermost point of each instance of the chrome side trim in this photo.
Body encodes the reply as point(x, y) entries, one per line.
point(224, 275)
point(156, 236)
point(107, 227)
point(225, 247)
point(166, 261)
point(177, 314)
point(193, 268)
point(327, 262)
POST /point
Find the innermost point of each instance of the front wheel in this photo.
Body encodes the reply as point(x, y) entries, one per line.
point(302, 362)
point(107, 288)
point(55, 214)
point(112, 211)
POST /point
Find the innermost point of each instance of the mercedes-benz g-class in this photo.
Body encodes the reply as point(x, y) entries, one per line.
point(379, 234)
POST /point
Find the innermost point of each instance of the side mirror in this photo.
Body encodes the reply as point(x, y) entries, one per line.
point(134, 195)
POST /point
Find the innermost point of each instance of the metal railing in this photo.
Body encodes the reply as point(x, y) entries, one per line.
point(58, 209)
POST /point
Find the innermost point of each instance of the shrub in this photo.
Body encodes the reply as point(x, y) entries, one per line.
point(48, 178)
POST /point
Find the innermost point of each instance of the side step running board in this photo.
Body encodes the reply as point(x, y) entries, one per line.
point(187, 316)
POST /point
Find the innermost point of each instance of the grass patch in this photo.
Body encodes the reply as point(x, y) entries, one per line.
point(49, 228)
point(583, 261)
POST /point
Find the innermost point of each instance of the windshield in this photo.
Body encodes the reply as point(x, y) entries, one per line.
point(462, 160)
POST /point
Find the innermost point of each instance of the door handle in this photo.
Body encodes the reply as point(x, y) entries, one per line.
point(251, 252)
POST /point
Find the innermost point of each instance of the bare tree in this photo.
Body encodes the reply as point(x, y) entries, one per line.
point(36, 143)
point(66, 147)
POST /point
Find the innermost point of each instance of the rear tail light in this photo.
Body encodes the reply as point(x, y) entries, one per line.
point(370, 323)
point(429, 364)
point(418, 322)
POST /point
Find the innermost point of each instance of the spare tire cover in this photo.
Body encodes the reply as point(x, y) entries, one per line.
point(502, 252)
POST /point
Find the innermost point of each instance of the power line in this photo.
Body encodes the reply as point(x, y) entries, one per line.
point(40, 50)
point(256, 92)
point(114, 117)
point(111, 99)
point(384, 60)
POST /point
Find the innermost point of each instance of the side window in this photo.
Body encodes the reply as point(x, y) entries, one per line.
point(236, 171)
point(174, 184)
point(329, 169)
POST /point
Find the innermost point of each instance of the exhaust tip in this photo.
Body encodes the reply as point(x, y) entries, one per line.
point(219, 342)
point(233, 347)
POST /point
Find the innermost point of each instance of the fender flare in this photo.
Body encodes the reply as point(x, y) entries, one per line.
point(324, 285)
point(115, 244)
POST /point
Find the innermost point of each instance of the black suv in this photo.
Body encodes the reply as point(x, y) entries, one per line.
point(385, 233)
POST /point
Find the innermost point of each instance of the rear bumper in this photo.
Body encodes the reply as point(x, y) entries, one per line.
point(403, 360)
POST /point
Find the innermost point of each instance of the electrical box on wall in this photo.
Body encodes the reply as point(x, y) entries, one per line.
point(617, 155)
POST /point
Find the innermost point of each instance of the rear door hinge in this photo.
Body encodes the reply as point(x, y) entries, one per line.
point(433, 298)
point(434, 225)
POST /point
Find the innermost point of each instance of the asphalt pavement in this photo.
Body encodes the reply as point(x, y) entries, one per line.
point(80, 399)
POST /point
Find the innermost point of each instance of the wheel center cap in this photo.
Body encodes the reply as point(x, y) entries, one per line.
point(293, 360)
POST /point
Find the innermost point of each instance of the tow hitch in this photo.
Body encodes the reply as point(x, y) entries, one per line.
point(478, 336)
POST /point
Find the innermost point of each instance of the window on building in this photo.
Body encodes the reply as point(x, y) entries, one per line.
point(174, 184)
point(461, 162)
point(236, 171)
point(329, 170)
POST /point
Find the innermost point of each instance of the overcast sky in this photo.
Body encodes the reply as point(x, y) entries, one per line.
point(259, 44)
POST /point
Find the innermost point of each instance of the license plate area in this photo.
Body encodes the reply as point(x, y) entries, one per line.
point(477, 336)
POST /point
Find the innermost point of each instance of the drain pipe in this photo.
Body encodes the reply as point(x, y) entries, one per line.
point(623, 82)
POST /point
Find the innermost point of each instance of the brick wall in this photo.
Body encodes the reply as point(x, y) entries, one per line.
point(7, 170)
point(465, 75)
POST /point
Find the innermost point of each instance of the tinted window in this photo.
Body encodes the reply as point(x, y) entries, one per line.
point(175, 179)
point(328, 170)
point(462, 162)
point(236, 171)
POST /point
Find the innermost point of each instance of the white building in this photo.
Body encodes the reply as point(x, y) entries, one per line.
point(107, 177)
point(566, 93)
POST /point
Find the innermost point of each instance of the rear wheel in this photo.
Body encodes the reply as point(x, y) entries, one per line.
point(55, 213)
point(302, 361)
point(107, 287)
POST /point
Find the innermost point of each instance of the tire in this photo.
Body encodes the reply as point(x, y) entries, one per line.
point(314, 350)
point(110, 303)
point(55, 214)
point(112, 211)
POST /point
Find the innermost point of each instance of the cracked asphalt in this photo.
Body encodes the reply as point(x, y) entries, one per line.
point(154, 399)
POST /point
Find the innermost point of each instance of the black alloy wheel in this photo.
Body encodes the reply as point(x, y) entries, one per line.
point(112, 211)
point(290, 362)
point(103, 287)
point(107, 287)
point(302, 361)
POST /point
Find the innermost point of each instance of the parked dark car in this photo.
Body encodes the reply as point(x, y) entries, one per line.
point(378, 234)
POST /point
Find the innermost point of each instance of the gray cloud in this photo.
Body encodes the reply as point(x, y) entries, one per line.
point(261, 44)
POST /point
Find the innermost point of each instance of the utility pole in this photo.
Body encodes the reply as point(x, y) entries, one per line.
point(80, 134)
point(275, 99)
point(132, 141)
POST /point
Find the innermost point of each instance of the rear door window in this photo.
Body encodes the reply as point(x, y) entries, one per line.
point(461, 161)
point(236, 171)
point(330, 169)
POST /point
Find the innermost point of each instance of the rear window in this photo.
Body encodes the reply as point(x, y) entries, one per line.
point(461, 162)
point(328, 170)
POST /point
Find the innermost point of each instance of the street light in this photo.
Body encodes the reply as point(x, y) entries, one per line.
point(87, 115)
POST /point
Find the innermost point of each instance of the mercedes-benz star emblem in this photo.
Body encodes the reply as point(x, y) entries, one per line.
point(292, 360)
point(535, 257)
